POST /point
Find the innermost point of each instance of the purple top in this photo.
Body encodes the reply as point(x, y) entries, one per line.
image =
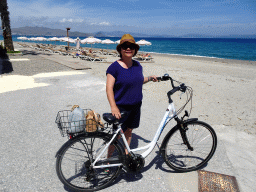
point(128, 83)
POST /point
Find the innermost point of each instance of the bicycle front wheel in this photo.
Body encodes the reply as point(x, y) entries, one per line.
point(189, 149)
point(74, 163)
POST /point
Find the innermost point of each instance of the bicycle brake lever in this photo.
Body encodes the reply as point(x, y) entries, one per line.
point(181, 94)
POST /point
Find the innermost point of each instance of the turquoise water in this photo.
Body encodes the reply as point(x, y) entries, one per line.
point(240, 49)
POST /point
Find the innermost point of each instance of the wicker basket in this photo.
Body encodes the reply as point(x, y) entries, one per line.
point(78, 127)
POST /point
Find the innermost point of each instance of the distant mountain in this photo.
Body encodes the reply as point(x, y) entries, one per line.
point(195, 36)
point(239, 36)
point(119, 34)
point(44, 31)
point(219, 36)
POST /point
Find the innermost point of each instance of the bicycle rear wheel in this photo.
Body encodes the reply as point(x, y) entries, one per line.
point(179, 156)
point(74, 160)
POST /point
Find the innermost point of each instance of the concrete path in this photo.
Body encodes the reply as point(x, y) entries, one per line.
point(30, 138)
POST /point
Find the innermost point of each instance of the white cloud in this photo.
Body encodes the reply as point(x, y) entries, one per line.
point(39, 8)
point(104, 23)
point(100, 23)
point(55, 13)
point(64, 20)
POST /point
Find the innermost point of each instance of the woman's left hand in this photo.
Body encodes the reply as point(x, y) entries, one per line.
point(153, 78)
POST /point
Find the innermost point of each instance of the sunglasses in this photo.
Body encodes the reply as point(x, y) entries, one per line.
point(126, 46)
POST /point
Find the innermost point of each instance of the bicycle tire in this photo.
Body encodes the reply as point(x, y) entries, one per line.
point(74, 158)
point(202, 139)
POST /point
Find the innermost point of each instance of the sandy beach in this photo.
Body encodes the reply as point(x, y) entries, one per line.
point(223, 90)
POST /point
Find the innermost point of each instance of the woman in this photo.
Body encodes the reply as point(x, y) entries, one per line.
point(124, 85)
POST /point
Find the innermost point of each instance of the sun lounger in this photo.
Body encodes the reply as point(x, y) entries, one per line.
point(96, 58)
point(145, 57)
point(83, 57)
point(114, 53)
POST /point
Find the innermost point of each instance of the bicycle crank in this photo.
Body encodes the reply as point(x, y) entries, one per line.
point(134, 162)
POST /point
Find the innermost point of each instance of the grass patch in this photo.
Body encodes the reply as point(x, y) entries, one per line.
point(13, 51)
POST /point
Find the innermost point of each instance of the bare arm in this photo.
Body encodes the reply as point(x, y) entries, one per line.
point(110, 94)
point(150, 78)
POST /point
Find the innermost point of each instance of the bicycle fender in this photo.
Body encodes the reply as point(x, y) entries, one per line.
point(190, 120)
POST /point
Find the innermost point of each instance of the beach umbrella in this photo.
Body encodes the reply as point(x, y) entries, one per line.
point(64, 39)
point(41, 39)
point(67, 39)
point(90, 40)
point(54, 39)
point(77, 43)
point(22, 38)
point(71, 40)
point(107, 41)
point(143, 42)
point(32, 39)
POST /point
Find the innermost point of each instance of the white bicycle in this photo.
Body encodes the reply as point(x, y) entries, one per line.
point(83, 163)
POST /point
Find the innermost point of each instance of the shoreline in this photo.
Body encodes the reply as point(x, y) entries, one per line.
point(194, 57)
point(204, 58)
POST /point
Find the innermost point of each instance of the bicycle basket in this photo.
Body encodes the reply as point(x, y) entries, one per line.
point(69, 127)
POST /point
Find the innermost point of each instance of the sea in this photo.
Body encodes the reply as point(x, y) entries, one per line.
point(226, 48)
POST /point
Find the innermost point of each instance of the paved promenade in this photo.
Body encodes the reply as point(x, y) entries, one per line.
point(42, 85)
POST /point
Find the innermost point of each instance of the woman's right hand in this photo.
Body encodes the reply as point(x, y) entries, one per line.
point(116, 112)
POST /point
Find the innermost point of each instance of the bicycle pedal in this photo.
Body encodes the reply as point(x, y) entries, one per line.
point(124, 169)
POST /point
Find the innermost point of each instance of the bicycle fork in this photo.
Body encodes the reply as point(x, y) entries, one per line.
point(182, 125)
point(184, 137)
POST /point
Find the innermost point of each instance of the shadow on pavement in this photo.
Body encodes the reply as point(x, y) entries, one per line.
point(28, 52)
point(158, 161)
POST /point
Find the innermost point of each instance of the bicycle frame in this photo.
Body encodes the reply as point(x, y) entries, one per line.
point(169, 114)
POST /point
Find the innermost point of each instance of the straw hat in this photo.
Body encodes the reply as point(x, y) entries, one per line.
point(127, 38)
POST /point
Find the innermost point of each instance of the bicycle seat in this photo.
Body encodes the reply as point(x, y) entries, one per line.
point(112, 119)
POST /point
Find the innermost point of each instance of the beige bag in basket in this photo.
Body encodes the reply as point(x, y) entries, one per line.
point(93, 121)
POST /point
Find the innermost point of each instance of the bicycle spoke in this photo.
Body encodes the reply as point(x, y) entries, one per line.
point(180, 157)
point(74, 164)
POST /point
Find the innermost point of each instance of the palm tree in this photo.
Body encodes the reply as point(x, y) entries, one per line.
point(7, 33)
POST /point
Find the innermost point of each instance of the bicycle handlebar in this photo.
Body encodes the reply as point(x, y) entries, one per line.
point(182, 87)
point(166, 77)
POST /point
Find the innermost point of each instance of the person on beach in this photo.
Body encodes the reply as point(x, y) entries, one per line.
point(124, 85)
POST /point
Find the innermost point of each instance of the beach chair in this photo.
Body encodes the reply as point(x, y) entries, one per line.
point(146, 57)
point(96, 58)
point(114, 53)
point(83, 57)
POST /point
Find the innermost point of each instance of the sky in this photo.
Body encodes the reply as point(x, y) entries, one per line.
point(152, 17)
